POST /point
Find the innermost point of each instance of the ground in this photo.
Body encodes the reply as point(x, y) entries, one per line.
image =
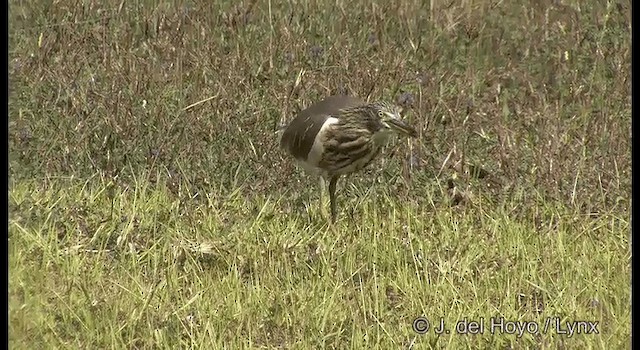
point(150, 205)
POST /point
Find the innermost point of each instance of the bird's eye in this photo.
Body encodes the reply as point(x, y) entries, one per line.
point(380, 114)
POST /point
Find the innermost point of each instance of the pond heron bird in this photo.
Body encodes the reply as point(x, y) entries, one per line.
point(341, 135)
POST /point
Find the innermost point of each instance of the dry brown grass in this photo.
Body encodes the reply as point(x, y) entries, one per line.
point(536, 94)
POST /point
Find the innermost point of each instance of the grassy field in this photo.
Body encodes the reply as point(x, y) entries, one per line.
point(150, 205)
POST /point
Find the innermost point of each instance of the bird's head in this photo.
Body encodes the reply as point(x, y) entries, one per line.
point(390, 119)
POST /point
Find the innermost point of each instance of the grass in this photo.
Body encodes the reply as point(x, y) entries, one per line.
point(150, 206)
point(137, 268)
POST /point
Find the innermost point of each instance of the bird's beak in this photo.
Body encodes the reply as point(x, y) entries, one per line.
point(402, 127)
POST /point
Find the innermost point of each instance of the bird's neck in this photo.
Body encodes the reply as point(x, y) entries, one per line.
point(381, 138)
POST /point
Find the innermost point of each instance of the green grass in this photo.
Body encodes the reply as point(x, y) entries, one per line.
point(136, 267)
point(150, 206)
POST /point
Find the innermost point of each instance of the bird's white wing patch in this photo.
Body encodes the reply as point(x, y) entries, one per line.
point(315, 155)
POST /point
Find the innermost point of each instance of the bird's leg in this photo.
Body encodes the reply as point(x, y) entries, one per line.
point(323, 196)
point(332, 196)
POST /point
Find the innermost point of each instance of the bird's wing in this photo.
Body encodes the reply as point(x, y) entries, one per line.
point(299, 136)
